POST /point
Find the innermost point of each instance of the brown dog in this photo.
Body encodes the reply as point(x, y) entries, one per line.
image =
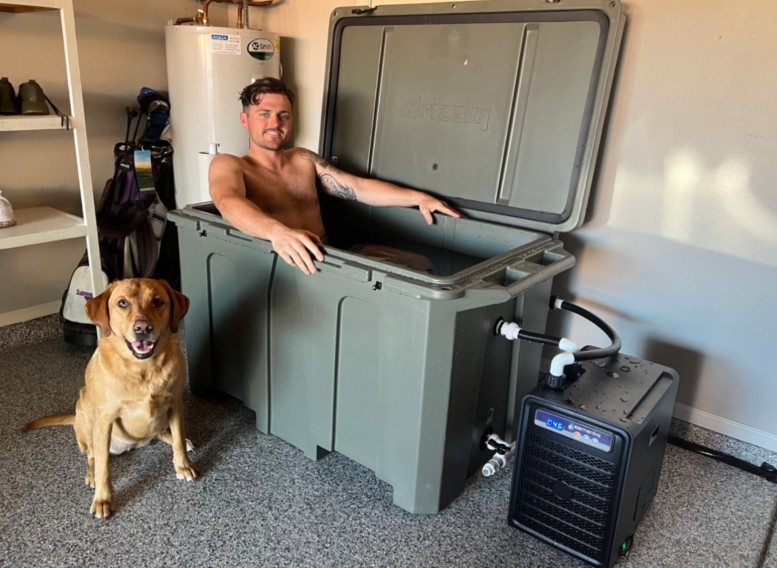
point(134, 382)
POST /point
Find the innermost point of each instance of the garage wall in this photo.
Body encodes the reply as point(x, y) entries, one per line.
point(679, 253)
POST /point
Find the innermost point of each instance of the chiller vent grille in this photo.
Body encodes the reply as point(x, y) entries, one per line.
point(578, 519)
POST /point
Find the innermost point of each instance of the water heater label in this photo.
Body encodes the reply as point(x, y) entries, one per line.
point(225, 44)
point(261, 48)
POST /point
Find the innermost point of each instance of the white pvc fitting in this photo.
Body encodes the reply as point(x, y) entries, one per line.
point(497, 462)
point(568, 345)
point(494, 464)
point(510, 330)
point(561, 360)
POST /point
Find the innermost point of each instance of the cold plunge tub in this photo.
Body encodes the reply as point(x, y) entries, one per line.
point(398, 369)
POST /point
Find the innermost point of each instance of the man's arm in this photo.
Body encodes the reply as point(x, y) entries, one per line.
point(375, 192)
point(228, 190)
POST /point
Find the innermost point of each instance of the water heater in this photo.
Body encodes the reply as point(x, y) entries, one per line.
point(207, 67)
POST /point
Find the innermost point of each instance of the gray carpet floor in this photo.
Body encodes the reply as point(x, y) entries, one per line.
point(260, 502)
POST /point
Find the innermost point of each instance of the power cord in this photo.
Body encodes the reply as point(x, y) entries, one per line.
point(766, 470)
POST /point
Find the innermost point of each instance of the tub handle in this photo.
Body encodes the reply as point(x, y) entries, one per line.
point(345, 268)
point(524, 275)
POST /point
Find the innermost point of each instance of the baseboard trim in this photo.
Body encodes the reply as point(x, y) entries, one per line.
point(726, 427)
point(27, 314)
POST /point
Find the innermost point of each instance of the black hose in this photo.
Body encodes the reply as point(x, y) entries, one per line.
point(589, 354)
point(531, 336)
point(539, 338)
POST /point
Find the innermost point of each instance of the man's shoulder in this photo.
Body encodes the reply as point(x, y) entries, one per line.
point(305, 154)
point(227, 159)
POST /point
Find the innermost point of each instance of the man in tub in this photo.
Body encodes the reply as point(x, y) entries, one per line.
point(271, 193)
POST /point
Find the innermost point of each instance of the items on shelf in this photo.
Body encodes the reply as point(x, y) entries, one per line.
point(31, 98)
point(9, 104)
point(7, 218)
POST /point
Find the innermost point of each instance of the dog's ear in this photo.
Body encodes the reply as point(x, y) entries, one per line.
point(97, 310)
point(179, 305)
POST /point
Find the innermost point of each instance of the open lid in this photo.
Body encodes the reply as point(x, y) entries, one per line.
point(497, 105)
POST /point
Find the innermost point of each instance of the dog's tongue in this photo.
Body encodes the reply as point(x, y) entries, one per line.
point(142, 347)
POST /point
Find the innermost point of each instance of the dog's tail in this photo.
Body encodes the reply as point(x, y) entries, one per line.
point(59, 420)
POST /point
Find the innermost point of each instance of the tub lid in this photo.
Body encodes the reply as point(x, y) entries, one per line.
point(497, 105)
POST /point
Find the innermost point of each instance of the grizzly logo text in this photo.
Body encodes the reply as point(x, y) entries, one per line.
point(414, 107)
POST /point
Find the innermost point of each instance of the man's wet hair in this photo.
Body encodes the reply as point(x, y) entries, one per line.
point(252, 94)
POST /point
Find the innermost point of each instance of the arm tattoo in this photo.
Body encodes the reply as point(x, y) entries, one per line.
point(333, 187)
point(329, 183)
point(313, 157)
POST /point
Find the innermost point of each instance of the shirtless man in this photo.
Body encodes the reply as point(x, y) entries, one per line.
point(271, 192)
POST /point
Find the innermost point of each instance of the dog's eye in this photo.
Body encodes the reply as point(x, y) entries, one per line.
point(123, 303)
point(157, 303)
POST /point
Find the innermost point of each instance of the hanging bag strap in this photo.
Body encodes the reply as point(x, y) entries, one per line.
point(64, 120)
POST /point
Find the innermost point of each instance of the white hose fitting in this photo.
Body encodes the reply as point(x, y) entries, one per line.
point(568, 345)
point(494, 464)
point(559, 361)
point(499, 460)
point(509, 330)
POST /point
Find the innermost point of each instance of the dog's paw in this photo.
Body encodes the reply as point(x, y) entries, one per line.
point(189, 446)
point(186, 472)
point(102, 508)
point(89, 479)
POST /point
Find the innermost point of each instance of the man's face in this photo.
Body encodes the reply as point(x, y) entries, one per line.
point(269, 122)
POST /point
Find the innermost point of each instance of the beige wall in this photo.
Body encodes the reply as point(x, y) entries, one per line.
point(680, 253)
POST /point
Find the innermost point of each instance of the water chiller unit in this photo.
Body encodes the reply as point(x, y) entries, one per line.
point(588, 457)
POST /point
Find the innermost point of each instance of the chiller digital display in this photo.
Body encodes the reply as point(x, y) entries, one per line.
point(573, 430)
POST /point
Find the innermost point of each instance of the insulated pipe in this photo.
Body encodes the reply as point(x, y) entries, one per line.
point(587, 355)
point(513, 331)
point(242, 5)
point(570, 351)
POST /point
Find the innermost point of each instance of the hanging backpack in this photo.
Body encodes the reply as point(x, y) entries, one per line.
point(128, 242)
point(77, 329)
point(132, 227)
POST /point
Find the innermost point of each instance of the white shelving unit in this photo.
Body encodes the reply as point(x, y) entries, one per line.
point(37, 225)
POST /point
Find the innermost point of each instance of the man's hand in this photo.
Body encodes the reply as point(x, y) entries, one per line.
point(297, 248)
point(428, 205)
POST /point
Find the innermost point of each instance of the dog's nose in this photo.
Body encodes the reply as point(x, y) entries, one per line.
point(142, 327)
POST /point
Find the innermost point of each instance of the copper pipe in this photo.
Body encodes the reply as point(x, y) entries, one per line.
point(205, 21)
point(194, 19)
point(206, 4)
point(242, 13)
